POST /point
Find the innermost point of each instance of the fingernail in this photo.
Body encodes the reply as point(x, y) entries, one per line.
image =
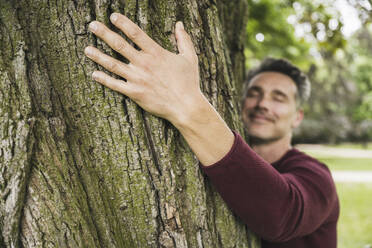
point(93, 26)
point(114, 17)
point(95, 75)
point(88, 51)
point(180, 25)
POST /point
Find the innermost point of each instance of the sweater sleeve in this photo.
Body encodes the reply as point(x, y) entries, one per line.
point(276, 206)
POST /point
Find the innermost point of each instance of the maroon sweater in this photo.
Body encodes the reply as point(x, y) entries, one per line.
point(291, 203)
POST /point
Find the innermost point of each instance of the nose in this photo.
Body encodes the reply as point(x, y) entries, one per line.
point(262, 103)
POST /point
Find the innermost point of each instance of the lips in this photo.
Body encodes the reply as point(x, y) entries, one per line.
point(257, 117)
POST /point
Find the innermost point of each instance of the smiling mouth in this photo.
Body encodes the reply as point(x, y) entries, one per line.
point(260, 118)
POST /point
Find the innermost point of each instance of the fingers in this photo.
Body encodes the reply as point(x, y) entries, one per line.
point(184, 43)
point(135, 33)
point(108, 62)
point(112, 83)
point(114, 40)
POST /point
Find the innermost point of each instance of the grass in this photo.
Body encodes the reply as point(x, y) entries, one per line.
point(368, 146)
point(355, 223)
point(337, 163)
point(352, 164)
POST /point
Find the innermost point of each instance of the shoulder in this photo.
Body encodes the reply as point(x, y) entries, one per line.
point(295, 159)
point(307, 171)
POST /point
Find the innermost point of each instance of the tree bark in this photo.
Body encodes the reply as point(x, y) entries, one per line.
point(83, 166)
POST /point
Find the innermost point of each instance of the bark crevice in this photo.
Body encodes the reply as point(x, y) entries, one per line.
point(85, 166)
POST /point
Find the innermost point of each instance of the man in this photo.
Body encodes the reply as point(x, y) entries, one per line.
point(286, 197)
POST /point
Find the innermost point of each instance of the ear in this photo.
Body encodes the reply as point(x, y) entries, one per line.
point(298, 118)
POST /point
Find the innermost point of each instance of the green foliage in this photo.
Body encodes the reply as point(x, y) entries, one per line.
point(362, 73)
point(269, 19)
point(323, 22)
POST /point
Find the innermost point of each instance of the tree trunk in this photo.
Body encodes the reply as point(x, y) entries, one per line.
point(83, 166)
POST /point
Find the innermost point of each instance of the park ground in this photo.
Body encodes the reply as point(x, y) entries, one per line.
point(351, 167)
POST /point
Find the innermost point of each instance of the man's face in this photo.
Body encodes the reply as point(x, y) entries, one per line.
point(269, 111)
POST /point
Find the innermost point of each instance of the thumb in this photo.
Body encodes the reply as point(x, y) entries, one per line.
point(184, 43)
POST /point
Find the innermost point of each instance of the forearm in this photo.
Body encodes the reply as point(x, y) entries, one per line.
point(205, 131)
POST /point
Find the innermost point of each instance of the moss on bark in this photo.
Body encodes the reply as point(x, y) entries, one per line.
point(83, 166)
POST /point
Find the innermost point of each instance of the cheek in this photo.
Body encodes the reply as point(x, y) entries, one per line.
point(244, 114)
point(284, 112)
point(248, 105)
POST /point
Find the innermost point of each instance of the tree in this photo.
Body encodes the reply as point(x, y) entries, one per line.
point(83, 166)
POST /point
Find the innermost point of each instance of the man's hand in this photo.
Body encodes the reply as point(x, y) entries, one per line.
point(161, 82)
point(164, 84)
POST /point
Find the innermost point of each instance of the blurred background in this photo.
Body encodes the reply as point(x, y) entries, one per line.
point(332, 42)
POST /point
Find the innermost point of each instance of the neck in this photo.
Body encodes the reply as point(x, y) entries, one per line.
point(272, 151)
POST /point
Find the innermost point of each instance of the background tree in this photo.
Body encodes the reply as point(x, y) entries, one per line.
point(83, 166)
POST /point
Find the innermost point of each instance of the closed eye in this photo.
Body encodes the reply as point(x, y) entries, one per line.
point(279, 96)
point(253, 92)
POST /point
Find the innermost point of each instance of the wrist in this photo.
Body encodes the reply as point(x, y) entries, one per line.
point(193, 114)
point(205, 131)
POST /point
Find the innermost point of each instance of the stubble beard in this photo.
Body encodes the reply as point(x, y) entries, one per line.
point(258, 140)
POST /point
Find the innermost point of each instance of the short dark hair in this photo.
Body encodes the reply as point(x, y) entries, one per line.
point(287, 68)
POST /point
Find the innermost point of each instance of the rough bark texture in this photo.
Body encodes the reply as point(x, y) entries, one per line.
point(83, 166)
